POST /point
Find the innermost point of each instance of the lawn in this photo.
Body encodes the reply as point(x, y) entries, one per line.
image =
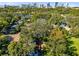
point(76, 43)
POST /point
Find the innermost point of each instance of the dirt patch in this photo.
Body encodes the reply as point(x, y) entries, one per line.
point(15, 37)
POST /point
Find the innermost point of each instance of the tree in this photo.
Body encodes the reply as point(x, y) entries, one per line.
point(32, 38)
point(3, 23)
point(75, 32)
point(24, 46)
point(57, 43)
point(4, 42)
point(70, 49)
point(12, 49)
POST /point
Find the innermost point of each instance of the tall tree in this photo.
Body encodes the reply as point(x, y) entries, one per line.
point(56, 4)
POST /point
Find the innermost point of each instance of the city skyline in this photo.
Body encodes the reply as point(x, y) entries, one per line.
point(71, 4)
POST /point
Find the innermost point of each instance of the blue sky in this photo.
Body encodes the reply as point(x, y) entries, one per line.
point(71, 4)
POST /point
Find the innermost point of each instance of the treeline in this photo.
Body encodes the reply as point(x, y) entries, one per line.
point(38, 5)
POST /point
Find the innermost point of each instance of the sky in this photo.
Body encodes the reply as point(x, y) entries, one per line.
point(71, 4)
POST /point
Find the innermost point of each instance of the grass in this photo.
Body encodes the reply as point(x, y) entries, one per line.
point(2, 36)
point(76, 43)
